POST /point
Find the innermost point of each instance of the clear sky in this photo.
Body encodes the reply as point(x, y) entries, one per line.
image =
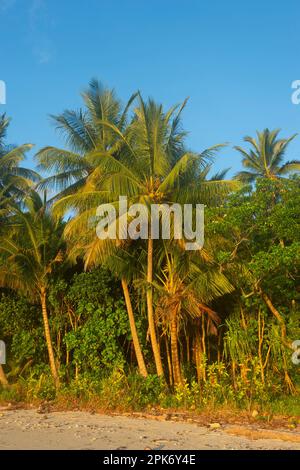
point(236, 61)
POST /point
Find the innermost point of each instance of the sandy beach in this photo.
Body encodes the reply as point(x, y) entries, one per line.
point(28, 429)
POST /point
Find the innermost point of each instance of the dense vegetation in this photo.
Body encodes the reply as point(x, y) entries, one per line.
point(131, 323)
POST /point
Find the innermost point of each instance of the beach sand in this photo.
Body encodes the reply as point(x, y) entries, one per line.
point(27, 429)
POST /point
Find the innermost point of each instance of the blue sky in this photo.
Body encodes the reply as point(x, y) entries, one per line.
point(235, 60)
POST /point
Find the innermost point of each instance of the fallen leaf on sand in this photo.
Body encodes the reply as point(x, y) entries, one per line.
point(215, 425)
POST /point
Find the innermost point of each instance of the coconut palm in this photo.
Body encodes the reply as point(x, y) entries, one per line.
point(5, 201)
point(14, 179)
point(30, 247)
point(187, 284)
point(153, 167)
point(265, 158)
point(83, 132)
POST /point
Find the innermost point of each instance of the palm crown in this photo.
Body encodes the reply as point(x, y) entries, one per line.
point(265, 157)
point(14, 179)
point(83, 132)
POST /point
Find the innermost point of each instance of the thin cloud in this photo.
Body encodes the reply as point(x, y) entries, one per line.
point(6, 5)
point(38, 22)
point(36, 12)
point(43, 52)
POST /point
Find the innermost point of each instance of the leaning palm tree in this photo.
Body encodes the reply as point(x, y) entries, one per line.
point(266, 157)
point(30, 248)
point(14, 179)
point(153, 167)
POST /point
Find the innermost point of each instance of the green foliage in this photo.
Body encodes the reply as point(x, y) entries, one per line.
point(21, 329)
point(97, 344)
point(94, 288)
point(98, 336)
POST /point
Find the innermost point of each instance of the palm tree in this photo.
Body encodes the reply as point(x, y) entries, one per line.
point(14, 179)
point(187, 283)
point(30, 248)
point(83, 133)
point(265, 157)
point(152, 167)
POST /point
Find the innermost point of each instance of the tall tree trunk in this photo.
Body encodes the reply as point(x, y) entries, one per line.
point(174, 350)
point(219, 346)
point(169, 360)
point(135, 338)
point(152, 329)
point(188, 349)
point(48, 338)
point(3, 379)
point(198, 352)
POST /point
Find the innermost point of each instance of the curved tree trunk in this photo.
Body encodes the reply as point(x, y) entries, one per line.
point(275, 312)
point(152, 330)
point(174, 351)
point(3, 379)
point(48, 338)
point(135, 338)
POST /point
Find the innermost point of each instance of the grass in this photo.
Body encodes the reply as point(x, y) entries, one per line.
point(152, 398)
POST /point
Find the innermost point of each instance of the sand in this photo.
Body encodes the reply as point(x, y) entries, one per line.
point(27, 429)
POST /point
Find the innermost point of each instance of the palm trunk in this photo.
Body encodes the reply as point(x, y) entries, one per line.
point(174, 351)
point(3, 379)
point(135, 338)
point(199, 358)
point(219, 346)
point(48, 338)
point(188, 349)
point(152, 330)
point(169, 360)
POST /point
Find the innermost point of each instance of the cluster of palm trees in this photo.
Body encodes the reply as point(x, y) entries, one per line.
point(137, 151)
